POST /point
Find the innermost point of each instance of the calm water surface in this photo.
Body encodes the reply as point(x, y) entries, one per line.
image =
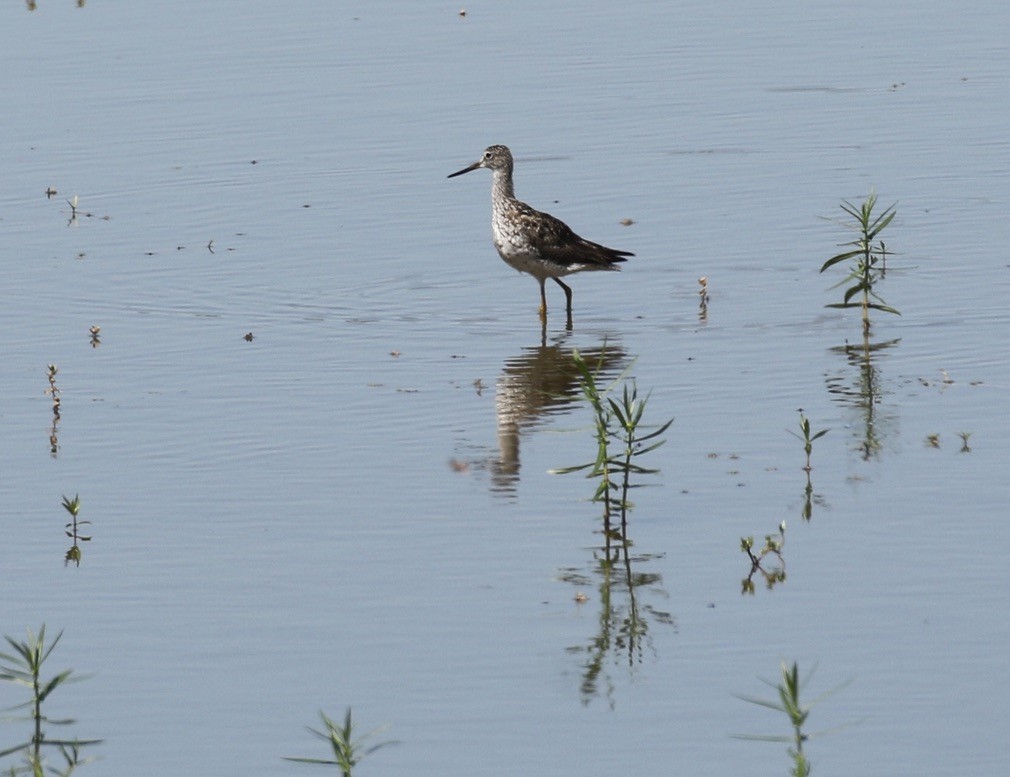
point(354, 507)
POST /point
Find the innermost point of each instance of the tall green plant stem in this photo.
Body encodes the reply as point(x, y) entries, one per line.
point(617, 421)
point(348, 750)
point(869, 259)
point(24, 667)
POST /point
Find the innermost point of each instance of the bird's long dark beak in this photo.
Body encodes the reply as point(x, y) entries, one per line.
point(474, 166)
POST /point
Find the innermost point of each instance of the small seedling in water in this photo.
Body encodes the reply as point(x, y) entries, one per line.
point(933, 440)
point(347, 751)
point(24, 667)
point(73, 506)
point(54, 392)
point(96, 336)
point(807, 438)
point(965, 448)
point(615, 422)
point(773, 545)
point(868, 259)
point(789, 703)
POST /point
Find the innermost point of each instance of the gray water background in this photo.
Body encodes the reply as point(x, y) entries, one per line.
point(354, 507)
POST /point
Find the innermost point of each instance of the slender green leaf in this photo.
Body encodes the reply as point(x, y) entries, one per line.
point(72, 742)
point(52, 645)
point(649, 448)
point(773, 705)
point(839, 258)
point(762, 737)
point(883, 308)
point(660, 430)
point(22, 649)
point(850, 293)
point(881, 223)
point(617, 410)
point(53, 684)
point(569, 470)
point(15, 749)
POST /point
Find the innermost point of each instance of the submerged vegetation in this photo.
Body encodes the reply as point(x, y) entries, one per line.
point(867, 268)
point(788, 702)
point(620, 440)
point(347, 750)
point(772, 547)
point(72, 528)
point(24, 667)
point(54, 392)
point(621, 437)
point(807, 438)
point(868, 259)
point(703, 299)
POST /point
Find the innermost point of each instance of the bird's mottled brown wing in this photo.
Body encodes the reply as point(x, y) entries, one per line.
point(558, 243)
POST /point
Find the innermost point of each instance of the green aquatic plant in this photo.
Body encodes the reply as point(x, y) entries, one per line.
point(53, 391)
point(703, 299)
point(72, 529)
point(807, 438)
point(347, 750)
point(620, 440)
point(51, 372)
point(789, 703)
point(627, 413)
point(773, 546)
point(24, 667)
point(868, 259)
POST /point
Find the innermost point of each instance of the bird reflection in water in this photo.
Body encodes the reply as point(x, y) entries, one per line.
point(540, 381)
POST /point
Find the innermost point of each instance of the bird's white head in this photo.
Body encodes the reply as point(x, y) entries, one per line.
point(493, 158)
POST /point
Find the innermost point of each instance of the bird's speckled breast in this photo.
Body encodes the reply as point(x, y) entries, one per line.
point(515, 248)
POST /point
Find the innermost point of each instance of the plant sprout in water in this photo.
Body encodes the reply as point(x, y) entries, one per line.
point(788, 702)
point(348, 751)
point(868, 260)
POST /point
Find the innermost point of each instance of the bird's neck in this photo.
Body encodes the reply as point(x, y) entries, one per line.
point(501, 188)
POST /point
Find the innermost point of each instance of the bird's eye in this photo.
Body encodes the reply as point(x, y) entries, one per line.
point(487, 154)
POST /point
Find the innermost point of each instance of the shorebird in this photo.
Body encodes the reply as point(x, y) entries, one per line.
point(534, 242)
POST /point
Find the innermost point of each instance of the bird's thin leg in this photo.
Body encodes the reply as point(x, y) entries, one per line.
point(543, 300)
point(568, 295)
